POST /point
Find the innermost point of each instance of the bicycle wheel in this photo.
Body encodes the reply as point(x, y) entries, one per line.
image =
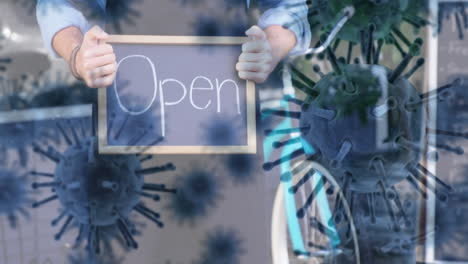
point(302, 230)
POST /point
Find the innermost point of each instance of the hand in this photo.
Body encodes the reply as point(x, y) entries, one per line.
point(256, 61)
point(95, 61)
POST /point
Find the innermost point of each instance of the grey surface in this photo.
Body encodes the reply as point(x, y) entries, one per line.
point(450, 240)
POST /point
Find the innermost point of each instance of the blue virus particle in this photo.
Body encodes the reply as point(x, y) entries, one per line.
point(124, 129)
point(366, 124)
point(14, 195)
point(366, 19)
point(222, 131)
point(241, 168)
point(122, 11)
point(206, 25)
point(198, 191)
point(236, 29)
point(20, 135)
point(220, 18)
point(456, 11)
point(121, 130)
point(61, 93)
point(385, 15)
point(230, 24)
point(98, 191)
point(51, 90)
point(222, 245)
point(116, 13)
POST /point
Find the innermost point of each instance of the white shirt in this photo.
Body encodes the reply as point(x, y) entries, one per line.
point(55, 15)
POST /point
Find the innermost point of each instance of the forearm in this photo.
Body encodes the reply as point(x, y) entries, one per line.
point(292, 13)
point(281, 40)
point(66, 40)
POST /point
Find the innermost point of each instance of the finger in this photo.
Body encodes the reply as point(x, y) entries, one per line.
point(103, 82)
point(97, 62)
point(258, 77)
point(252, 67)
point(256, 46)
point(94, 35)
point(100, 50)
point(255, 57)
point(256, 33)
point(103, 71)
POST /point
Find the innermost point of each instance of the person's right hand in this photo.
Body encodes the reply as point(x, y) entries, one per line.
point(95, 61)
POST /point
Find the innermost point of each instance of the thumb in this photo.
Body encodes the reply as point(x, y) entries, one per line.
point(256, 33)
point(95, 35)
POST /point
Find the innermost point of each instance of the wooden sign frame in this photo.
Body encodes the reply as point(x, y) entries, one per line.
point(251, 146)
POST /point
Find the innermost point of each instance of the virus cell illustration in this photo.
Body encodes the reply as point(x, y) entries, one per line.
point(115, 13)
point(49, 93)
point(207, 26)
point(118, 11)
point(98, 191)
point(128, 130)
point(19, 135)
point(225, 18)
point(236, 29)
point(223, 131)
point(356, 21)
point(49, 90)
point(13, 195)
point(241, 168)
point(366, 124)
point(198, 191)
point(61, 94)
point(222, 246)
point(456, 11)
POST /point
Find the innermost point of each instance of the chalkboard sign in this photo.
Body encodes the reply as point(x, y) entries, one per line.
point(176, 94)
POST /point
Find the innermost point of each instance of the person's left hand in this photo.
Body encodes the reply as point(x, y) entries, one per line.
point(256, 61)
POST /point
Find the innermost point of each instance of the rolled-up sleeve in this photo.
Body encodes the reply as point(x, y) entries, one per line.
point(292, 13)
point(55, 15)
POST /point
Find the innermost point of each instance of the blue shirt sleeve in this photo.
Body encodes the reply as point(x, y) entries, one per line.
point(55, 15)
point(292, 13)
